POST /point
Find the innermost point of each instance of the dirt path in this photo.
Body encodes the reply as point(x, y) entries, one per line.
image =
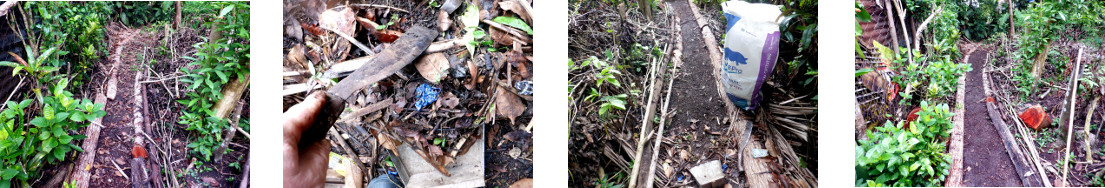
point(114, 145)
point(699, 111)
point(986, 161)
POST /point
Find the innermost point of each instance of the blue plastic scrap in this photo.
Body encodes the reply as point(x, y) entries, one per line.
point(426, 94)
point(524, 87)
point(724, 167)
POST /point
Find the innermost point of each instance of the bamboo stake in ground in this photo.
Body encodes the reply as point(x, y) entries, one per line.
point(1070, 122)
point(677, 60)
point(650, 109)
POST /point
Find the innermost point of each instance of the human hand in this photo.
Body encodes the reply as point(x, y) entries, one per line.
point(304, 167)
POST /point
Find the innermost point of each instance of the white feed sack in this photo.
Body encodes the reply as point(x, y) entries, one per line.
point(751, 48)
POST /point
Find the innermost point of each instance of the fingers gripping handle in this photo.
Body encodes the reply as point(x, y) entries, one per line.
point(327, 115)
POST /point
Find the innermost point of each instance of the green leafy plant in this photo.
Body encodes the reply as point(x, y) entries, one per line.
point(910, 156)
point(72, 30)
point(23, 149)
point(610, 182)
point(217, 63)
point(137, 13)
point(612, 102)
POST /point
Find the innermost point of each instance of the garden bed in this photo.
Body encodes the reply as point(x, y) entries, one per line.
point(125, 126)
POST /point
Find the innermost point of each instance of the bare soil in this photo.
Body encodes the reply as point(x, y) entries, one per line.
point(986, 161)
point(114, 145)
point(697, 126)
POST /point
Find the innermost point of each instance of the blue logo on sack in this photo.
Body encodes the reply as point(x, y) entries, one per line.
point(734, 56)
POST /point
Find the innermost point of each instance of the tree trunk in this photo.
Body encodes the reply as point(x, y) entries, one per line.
point(646, 8)
point(176, 20)
point(1012, 28)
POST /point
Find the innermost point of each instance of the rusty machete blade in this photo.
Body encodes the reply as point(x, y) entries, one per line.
point(405, 50)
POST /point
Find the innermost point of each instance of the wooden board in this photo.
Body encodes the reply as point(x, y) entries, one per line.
point(466, 171)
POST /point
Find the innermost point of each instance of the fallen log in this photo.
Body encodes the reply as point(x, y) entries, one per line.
point(1011, 146)
point(955, 145)
point(83, 170)
point(231, 92)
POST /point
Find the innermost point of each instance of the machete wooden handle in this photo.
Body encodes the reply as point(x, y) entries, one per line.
point(327, 115)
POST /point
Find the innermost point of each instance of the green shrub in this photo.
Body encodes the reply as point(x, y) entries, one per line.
point(138, 13)
point(906, 157)
point(937, 77)
point(217, 63)
point(74, 29)
point(23, 149)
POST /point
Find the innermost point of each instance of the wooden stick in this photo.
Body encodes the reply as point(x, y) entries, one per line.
point(345, 146)
point(245, 174)
point(924, 25)
point(677, 60)
point(1033, 154)
point(351, 39)
point(646, 124)
point(120, 169)
point(660, 134)
point(515, 32)
point(1070, 122)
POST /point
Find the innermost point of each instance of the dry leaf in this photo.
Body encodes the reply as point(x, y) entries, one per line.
point(339, 19)
point(507, 104)
point(435, 150)
point(433, 67)
point(444, 22)
point(517, 9)
point(523, 183)
point(500, 37)
point(388, 36)
point(449, 100)
point(667, 169)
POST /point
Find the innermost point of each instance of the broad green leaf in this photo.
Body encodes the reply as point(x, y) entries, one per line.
point(9, 173)
point(48, 112)
point(226, 10)
point(77, 117)
point(514, 22)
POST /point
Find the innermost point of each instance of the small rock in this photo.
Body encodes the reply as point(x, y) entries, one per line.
point(121, 161)
point(514, 153)
point(1034, 117)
